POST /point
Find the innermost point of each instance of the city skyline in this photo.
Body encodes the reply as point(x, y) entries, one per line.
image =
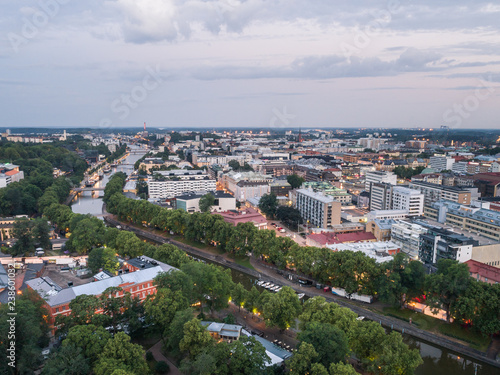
point(193, 64)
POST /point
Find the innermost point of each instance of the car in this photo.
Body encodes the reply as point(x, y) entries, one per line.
point(282, 230)
point(273, 224)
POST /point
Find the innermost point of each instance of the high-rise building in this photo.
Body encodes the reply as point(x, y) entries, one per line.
point(318, 209)
point(379, 176)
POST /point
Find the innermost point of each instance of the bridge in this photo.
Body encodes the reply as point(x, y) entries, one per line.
point(79, 190)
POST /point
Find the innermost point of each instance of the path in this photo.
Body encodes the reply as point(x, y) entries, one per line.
point(156, 350)
point(266, 273)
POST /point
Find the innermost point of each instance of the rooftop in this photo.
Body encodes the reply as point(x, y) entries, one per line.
point(484, 270)
point(325, 238)
point(316, 195)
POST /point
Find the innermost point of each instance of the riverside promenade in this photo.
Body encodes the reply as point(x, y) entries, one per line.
point(267, 273)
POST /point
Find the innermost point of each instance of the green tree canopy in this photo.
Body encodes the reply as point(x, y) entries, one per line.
point(282, 308)
point(206, 202)
point(120, 354)
point(268, 204)
point(295, 181)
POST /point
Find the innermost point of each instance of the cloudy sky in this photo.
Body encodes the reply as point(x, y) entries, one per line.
point(263, 63)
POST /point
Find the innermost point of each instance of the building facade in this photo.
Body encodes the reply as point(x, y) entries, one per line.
point(317, 209)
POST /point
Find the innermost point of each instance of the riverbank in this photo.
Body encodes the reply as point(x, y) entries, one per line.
point(270, 274)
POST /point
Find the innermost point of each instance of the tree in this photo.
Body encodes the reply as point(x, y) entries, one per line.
point(295, 181)
point(176, 281)
point(248, 356)
point(446, 285)
point(90, 339)
point(342, 369)
point(161, 309)
point(31, 334)
point(235, 166)
point(87, 234)
point(212, 284)
point(239, 295)
point(68, 360)
point(196, 338)
point(104, 258)
point(176, 329)
point(83, 308)
point(282, 308)
point(120, 354)
point(318, 369)
point(268, 204)
point(206, 202)
point(329, 342)
point(365, 337)
point(40, 233)
point(22, 232)
point(289, 215)
point(393, 357)
point(301, 361)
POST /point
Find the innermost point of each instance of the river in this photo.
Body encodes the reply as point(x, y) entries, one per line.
point(91, 203)
point(437, 360)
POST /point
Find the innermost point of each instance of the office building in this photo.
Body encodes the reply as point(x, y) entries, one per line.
point(433, 193)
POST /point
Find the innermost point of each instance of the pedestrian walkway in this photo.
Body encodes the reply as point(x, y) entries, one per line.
point(156, 350)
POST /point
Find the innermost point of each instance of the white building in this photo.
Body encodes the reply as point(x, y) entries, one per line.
point(386, 214)
point(409, 200)
point(191, 202)
point(407, 236)
point(246, 185)
point(441, 163)
point(379, 176)
point(380, 251)
point(169, 184)
point(10, 173)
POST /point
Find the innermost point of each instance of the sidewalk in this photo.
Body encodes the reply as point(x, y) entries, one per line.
point(156, 350)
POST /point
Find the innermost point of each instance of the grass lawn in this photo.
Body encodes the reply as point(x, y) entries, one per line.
point(474, 339)
point(422, 321)
point(428, 323)
point(242, 261)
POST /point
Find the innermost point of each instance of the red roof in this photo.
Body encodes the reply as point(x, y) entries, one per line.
point(243, 216)
point(484, 270)
point(333, 170)
point(325, 238)
point(11, 173)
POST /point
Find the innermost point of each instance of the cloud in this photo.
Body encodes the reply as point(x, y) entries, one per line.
point(330, 66)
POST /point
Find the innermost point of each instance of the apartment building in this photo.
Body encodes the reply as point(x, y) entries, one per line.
point(433, 193)
point(441, 163)
point(439, 243)
point(384, 196)
point(10, 173)
point(338, 194)
point(245, 185)
point(409, 200)
point(318, 209)
point(169, 184)
point(378, 177)
point(407, 235)
point(191, 202)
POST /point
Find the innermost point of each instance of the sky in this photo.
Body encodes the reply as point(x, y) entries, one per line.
point(262, 63)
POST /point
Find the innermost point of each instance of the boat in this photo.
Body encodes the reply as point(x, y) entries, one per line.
point(106, 169)
point(113, 165)
point(259, 283)
point(301, 295)
point(101, 175)
point(89, 183)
